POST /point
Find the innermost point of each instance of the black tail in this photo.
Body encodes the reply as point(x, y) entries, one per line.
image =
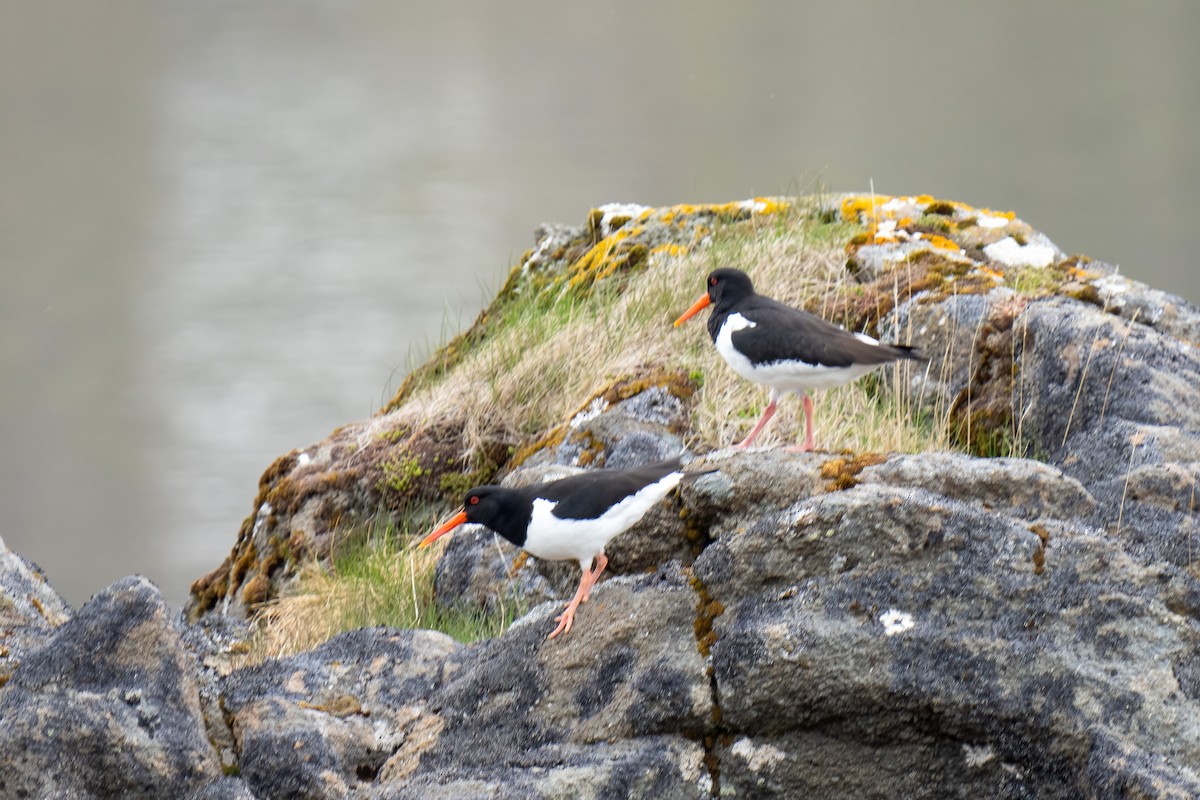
point(905, 351)
point(690, 476)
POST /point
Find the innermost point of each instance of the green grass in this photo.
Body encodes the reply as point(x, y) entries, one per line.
point(377, 578)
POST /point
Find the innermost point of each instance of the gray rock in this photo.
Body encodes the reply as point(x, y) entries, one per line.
point(604, 705)
point(949, 334)
point(30, 610)
point(890, 640)
point(1135, 301)
point(1081, 368)
point(324, 722)
point(667, 767)
point(107, 706)
point(225, 789)
point(1113, 403)
point(1016, 487)
point(640, 429)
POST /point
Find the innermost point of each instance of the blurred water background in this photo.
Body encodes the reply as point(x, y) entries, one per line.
point(227, 228)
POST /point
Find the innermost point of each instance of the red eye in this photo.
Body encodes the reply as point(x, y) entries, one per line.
point(712, 281)
point(474, 501)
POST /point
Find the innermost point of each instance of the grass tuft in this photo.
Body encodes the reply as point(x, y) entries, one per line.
point(379, 578)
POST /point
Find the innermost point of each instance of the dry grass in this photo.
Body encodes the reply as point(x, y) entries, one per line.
point(550, 354)
point(381, 579)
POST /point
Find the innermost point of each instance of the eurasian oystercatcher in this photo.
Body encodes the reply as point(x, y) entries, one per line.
point(571, 518)
point(783, 347)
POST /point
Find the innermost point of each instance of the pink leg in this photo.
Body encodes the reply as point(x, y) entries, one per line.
point(586, 581)
point(809, 439)
point(768, 412)
point(601, 563)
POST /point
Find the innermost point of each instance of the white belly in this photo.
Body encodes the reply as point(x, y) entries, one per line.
point(785, 376)
point(555, 539)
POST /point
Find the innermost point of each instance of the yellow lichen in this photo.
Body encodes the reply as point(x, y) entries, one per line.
point(517, 563)
point(942, 242)
point(842, 473)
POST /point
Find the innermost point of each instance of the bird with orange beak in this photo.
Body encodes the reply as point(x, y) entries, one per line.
point(785, 348)
point(570, 519)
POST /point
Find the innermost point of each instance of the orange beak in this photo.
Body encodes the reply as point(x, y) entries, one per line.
point(696, 308)
point(451, 524)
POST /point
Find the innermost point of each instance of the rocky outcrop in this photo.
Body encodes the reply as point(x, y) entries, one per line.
point(970, 623)
point(30, 610)
point(106, 706)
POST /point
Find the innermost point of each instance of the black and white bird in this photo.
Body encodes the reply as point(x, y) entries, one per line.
point(570, 519)
point(785, 348)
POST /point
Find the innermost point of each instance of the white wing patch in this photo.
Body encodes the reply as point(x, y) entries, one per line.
point(786, 376)
point(555, 539)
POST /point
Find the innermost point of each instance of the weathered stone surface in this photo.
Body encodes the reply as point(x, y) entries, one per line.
point(1017, 487)
point(225, 789)
point(1113, 403)
point(668, 767)
point(618, 705)
point(883, 625)
point(620, 433)
point(107, 706)
point(949, 332)
point(322, 723)
point(30, 610)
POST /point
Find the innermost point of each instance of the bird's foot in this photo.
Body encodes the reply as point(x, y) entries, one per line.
point(564, 621)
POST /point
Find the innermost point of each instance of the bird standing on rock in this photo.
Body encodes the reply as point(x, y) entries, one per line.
point(785, 348)
point(571, 518)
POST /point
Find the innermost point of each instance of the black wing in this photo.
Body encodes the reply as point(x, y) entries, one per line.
point(782, 333)
point(589, 494)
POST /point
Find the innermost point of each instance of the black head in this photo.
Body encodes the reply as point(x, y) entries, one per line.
point(505, 511)
point(727, 286)
point(484, 503)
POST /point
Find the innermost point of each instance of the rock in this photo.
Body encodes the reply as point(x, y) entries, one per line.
point(1166, 313)
point(949, 332)
point(325, 722)
point(1113, 402)
point(30, 610)
point(618, 705)
point(109, 700)
point(620, 430)
point(668, 767)
point(884, 637)
point(224, 789)
point(1016, 487)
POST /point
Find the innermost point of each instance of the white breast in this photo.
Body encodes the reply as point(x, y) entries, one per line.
point(555, 539)
point(786, 376)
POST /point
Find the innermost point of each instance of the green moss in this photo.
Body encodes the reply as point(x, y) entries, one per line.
point(455, 485)
point(1034, 281)
point(940, 208)
point(930, 223)
point(401, 473)
point(393, 436)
